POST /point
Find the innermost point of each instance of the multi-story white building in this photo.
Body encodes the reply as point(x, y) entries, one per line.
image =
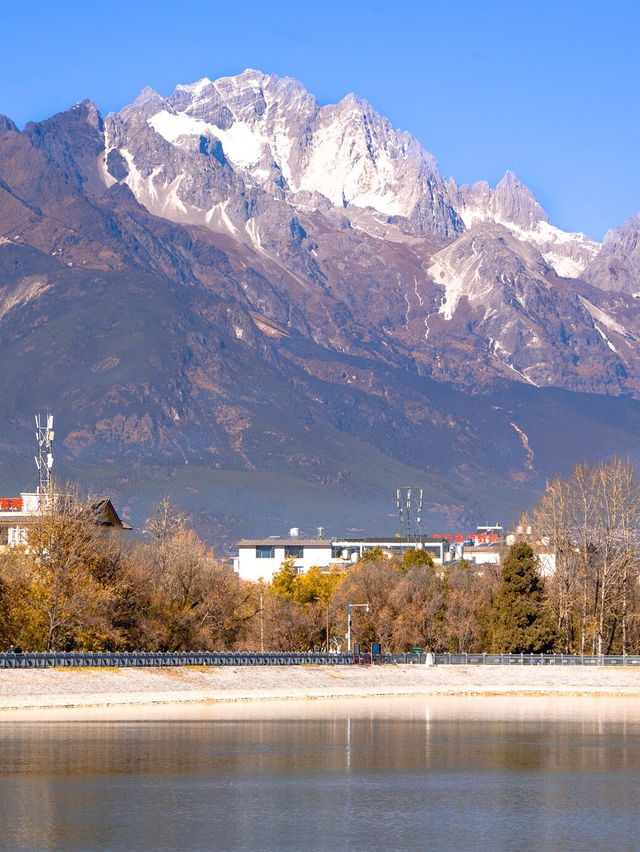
point(260, 559)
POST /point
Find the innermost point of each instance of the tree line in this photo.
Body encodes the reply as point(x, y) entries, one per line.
point(568, 584)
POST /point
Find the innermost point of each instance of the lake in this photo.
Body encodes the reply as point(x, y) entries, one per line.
point(376, 774)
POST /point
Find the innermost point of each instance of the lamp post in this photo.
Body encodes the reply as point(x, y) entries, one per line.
point(320, 600)
point(349, 608)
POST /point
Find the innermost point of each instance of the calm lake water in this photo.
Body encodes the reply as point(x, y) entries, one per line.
point(384, 774)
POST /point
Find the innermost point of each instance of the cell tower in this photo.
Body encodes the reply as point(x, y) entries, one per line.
point(409, 503)
point(44, 459)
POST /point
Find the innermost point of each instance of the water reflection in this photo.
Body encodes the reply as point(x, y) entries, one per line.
point(383, 774)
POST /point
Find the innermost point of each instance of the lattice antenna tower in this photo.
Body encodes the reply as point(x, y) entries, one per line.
point(409, 502)
point(44, 459)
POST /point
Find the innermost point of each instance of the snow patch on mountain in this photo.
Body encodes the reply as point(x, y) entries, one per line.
point(21, 292)
point(239, 143)
point(603, 318)
point(351, 162)
point(461, 274)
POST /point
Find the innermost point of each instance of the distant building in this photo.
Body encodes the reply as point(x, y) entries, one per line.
point(490, 530)
point(19, 514)
point(261, 558)
point(483, 554)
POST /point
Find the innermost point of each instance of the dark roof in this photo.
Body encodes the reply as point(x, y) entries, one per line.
point(103, 513)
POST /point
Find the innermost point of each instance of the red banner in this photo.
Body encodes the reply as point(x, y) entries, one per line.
point(10, 504)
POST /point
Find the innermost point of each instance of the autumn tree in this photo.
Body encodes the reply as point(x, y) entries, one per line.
point(197, 602)
point(554, 516)
point(64, 594)
point(590, 522)
point(468, 592)
point(303, 611)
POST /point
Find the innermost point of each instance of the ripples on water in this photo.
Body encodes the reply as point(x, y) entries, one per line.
point(383, 774)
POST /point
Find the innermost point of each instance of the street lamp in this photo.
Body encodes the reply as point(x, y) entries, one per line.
point(349, 608)
point(320, 600)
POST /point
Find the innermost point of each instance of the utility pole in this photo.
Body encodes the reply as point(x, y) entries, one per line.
point(316, 598)
point(327, 627)
point(261, 625)
point(349, 608)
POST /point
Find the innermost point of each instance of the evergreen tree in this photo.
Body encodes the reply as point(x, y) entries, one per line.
point(521, 622)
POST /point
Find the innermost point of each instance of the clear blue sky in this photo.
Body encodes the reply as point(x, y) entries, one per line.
point(549, 90)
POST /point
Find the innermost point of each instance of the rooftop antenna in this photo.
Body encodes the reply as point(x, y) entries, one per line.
point(44, 459)
point(409, 502)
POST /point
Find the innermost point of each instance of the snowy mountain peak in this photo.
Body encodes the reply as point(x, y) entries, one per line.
point(268, 134)
point(510, 203)
point(513, 205)
point(196, 88)
point(514, 202)
point(147, 102)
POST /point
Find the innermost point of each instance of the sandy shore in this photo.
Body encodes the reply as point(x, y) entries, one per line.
point(25, 689)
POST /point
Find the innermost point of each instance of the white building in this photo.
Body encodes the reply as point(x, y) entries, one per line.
point(260, 559)
point(19, 514)
point(483, 554)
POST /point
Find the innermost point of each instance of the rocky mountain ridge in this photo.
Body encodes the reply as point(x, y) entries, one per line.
point(235, 283)
point(256, 157)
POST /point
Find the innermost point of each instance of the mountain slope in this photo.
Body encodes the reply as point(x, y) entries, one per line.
point(272, 306)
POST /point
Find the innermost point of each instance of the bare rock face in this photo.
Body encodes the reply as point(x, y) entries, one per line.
point(616, 267)
point(521, 318)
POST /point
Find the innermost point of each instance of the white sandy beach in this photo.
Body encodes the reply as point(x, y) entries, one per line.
point(23, 691)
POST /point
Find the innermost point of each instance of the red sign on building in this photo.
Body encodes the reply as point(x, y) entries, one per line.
point(10, 504)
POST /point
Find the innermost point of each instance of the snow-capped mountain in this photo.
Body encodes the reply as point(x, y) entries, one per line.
point(238, 278)
point(189, 157)
point(256, 157)
point(358, 222)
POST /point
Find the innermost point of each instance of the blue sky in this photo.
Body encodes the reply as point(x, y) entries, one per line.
point(549, 90)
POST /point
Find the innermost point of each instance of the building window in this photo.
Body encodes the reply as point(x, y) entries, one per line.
point(293, 550)
point(264, 551)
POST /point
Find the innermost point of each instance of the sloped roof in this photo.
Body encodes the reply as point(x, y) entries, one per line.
point(103, 513)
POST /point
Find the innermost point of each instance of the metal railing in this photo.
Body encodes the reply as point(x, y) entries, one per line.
point(537, 659)
point(137, 659)
point(447, 659)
